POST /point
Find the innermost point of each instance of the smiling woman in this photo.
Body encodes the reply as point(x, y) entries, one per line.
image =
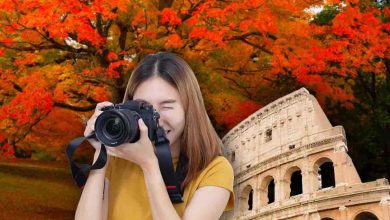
point(131, 185)
point(167, 102)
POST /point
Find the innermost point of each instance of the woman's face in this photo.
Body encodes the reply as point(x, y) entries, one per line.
point(166, 100)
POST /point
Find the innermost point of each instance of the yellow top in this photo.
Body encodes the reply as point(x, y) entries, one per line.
point(128, 198)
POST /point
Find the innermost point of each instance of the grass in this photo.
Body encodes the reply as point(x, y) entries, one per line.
point(36, 190)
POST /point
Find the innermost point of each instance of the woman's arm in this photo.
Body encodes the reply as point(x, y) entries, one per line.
point(92, 204)
point(208, 202)
point(105, 198)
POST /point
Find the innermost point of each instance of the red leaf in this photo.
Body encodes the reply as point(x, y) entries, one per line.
point(169, 16)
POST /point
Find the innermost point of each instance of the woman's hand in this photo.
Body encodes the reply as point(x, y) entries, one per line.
point(141, 152)
point(91, 124)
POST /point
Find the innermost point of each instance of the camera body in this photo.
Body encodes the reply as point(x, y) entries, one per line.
point(118, 124)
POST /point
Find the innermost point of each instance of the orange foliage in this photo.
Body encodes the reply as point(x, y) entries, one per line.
point(51, 48)
point(28, 58)
point(31, 37)
point(139, 19)
point(174, 41)
point(7, 41)
point(238, 113)
point(112, 56)
point(7, 152)
point(168, 16)
point(60, 95)
point(27, 104)
point(111, 70)
point(93, 72)
point(101, 94)
point(210, 35)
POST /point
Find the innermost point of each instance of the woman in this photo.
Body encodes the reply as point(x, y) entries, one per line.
point(131, 185)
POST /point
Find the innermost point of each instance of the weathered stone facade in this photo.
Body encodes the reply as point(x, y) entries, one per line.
point(291, 163)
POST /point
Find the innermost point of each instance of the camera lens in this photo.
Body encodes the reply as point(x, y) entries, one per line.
point(117, 126)
point(113, 127)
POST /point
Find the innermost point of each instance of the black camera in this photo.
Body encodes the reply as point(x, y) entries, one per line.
point(118, 124)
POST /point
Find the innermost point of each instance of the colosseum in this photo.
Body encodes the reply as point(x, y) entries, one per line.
point(291, 163)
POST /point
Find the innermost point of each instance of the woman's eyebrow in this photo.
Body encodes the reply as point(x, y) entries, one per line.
point(169, 101)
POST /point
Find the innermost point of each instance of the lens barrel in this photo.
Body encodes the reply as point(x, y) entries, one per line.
point(117, 126)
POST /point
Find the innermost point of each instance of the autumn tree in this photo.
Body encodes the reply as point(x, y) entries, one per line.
point(368, 122)
point(55, 54)
point(73, 54)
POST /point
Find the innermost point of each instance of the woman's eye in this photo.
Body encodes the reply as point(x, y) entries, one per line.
point(167, 107)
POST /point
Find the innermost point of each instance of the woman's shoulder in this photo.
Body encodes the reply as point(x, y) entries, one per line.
point(220, 161)
point(218, 173)
point(219, 165)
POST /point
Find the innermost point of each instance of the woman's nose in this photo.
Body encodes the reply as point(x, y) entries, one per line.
point(163, 119)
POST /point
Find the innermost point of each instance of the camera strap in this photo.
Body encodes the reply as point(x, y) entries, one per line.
point(171, 178)
point(80, 172)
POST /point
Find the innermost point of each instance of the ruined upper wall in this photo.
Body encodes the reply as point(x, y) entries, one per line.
point(292, 120)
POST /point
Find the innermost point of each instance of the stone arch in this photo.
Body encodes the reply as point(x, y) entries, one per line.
point(267, 190)
point(325, 173)
point(366, 215)
point(246, 199)
point(293, 182)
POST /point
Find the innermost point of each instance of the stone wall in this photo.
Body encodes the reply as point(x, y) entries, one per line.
point(289, 153)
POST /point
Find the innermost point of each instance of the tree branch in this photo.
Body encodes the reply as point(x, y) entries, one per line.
point(244, 88)
point(99, 23)
point(76, 108)
point(240, 71)
point(106, 27)
point(192, 9)
point(164, 4)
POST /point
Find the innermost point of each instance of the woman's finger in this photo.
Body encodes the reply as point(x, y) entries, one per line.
point(143, 129)
point(101, 105)
point(91, 122)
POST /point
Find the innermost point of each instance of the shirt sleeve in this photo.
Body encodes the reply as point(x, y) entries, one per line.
point(220, 173)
